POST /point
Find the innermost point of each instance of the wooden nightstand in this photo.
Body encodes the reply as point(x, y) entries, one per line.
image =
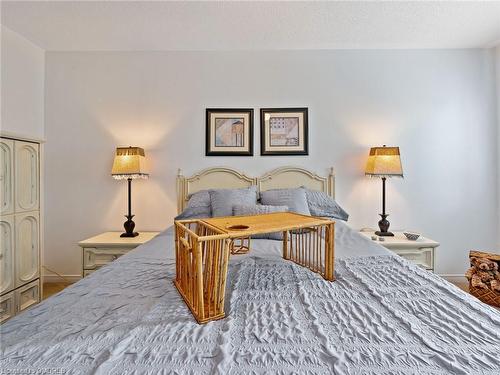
point(106, 247)
point(421, 252)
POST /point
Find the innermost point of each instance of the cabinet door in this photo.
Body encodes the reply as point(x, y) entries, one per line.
point(6, 253)
point(27, 176)
point(6, 176)
point(27, 248)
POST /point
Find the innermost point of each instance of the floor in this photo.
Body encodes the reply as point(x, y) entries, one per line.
point(50, 289)
point(462, 285)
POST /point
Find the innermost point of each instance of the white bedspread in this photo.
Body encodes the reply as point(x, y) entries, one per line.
point(381, 316)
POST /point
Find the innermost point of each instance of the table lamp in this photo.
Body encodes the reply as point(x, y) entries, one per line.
point(384, 162)
point(129, 164)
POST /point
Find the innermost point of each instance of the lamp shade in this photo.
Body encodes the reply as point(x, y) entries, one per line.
point(385, 162)
point(129, 163)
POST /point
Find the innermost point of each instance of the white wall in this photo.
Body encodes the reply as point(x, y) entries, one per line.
point(22, 85)
point(438, 106)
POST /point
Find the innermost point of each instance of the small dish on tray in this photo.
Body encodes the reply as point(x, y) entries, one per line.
point(412, 236)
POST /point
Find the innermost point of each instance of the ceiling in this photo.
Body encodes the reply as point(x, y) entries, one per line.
point(162, 25)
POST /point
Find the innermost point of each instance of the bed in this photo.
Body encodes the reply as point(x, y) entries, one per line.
point(382, 315)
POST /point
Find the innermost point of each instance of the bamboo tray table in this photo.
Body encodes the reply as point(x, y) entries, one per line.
point(203, 247)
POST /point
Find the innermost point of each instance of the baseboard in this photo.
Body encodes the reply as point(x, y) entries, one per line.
point(453, 277)
point(58, 279)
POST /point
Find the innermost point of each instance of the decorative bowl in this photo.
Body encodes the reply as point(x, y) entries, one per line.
point(412, 236)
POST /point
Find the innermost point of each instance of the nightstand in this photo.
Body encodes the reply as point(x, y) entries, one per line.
point(106, 247)
point(421, 252)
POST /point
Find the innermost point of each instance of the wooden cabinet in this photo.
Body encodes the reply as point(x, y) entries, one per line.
point(7, 253)
point(7, 306)
point(87, 272)
point(27, 185)
point(96, 258)
point(27, 248)
point(27, 296)
point(106, 247)
point(6, 176)
point(421, 252)
point(19, 226)
point(19, 300)
point(421, 256)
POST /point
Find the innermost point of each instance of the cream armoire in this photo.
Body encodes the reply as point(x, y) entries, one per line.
point(19, 226)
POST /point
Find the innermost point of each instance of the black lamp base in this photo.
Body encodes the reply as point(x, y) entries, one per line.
point(384, 224)
point(129, 226)
point(133, 234)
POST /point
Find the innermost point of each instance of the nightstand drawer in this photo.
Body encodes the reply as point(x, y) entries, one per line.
point(88, 272)
point(94, 258)
point(107, 247)
point(420, 252)
point(423, 257)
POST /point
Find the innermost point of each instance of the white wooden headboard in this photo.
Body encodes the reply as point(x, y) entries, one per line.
point(293, 177)
point(227, 178)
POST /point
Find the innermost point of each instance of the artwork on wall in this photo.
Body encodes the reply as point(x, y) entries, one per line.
point(283, 131)
point(229, 132)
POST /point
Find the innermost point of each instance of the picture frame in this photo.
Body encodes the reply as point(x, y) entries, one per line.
point(229, 132)
point(284, 131)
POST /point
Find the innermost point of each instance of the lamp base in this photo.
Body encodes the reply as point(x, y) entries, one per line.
point(129, 226)
point(133, 234)
point(383, 224)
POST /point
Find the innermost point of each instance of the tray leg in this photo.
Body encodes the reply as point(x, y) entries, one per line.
point(329, 253)
point(201, 271)
point(285, 245)
point(312, 248)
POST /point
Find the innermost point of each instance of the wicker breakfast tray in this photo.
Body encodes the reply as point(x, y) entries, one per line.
point(203, 247)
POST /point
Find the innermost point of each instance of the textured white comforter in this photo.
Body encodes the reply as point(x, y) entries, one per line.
point(382, 316)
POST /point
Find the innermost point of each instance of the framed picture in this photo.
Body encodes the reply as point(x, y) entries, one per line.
point(283, 131)
point(229, 132)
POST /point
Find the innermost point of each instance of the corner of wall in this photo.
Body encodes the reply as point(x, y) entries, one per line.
point(22, 71)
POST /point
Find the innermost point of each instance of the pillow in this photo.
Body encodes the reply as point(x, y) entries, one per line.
point(294, 199)
point(199, 199)
point(321, 204)
point(193, 213)
point(258, 209)
point(198, 206)
point(223, 200)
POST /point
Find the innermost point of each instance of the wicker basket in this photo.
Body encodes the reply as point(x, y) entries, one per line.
point(485, 295)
